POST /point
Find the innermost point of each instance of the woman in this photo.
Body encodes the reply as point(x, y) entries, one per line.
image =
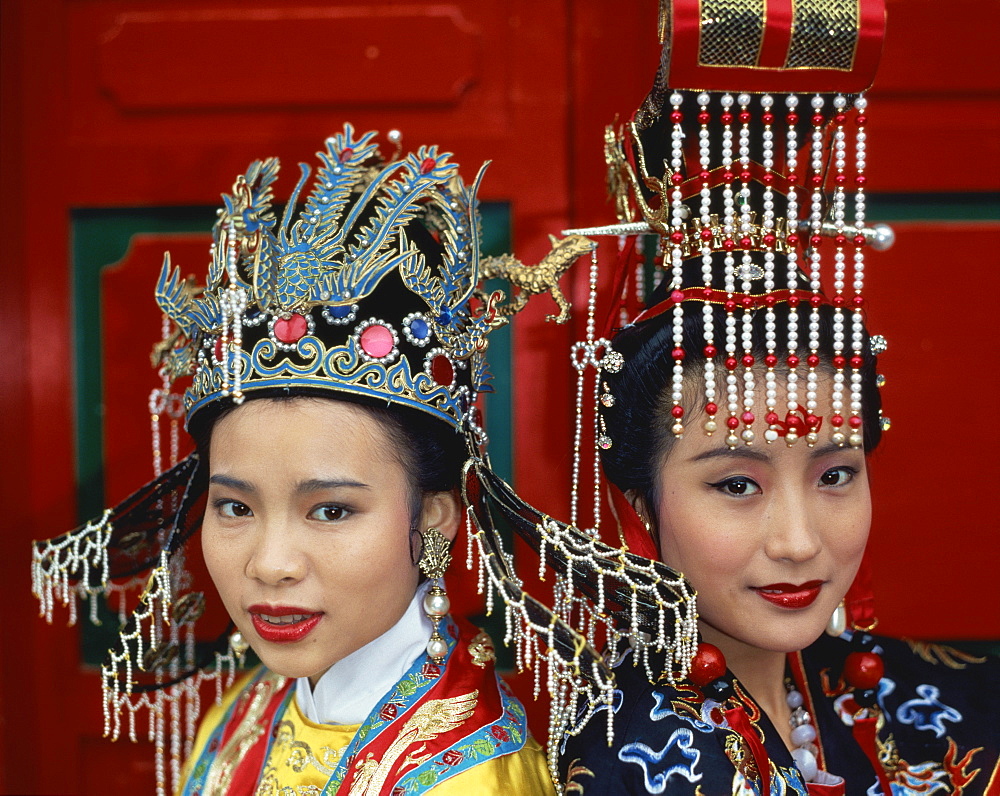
point(334, 360)
point(736, 408)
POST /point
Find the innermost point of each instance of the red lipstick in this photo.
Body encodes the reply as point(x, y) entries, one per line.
point(283, 624)
point(788, 595)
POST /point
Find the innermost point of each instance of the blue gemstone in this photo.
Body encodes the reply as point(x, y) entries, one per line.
point(418, 328)
point(445, 317)
point(339, 312)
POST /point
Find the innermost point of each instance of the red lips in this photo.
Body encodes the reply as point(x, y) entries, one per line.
point(789, 595)
point(283, 624)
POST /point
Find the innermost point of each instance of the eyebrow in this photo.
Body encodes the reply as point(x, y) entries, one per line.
point(758, 455)
point(312, 485)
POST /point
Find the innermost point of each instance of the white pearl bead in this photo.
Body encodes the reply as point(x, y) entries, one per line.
point(803, 734)
point(793, 699)
point(436, 604)
point(437, 647)
point(806, 762)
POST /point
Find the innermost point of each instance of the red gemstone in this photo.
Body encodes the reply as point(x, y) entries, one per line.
point(678, 412)
point(291, 329)
point(858, 301)
point(861, 179)
point(728, 244)
point(711, 408)
point(812, 421)
point(863, 670)
point(770, 360)
point(838, 301)
point(704, 117)
point(747, 360)
point(726, 118)
point(676, 237)
point(730, 305)
point(442, 371)
point(748, 418)
point(346, 155)
point(840, 240)
point(815, 241)
point(792, 360)
point(733, 422)
point(708, 665)
point(840, 118)
point(771, 418)
point(812, 360)
point(745, 175)
point(816, 299)
point(677, 353)
point(860, 120)
point(745, 243)
point(747, 302)
point(706, 234)
point(706, 292)
point(840, 179)
point(377, 341)
point(769, 238)
point(728, 176)
point(816, 179)
point(731, 363)
point(744, 116)
point(793, 301)
point(839, 362)
point(677, 296)
point(854, 422)
point(859, 240)
point(709, 351)
point(792, 118)
point(837, 421)
point(676, 179)
point(768, 179)
point(856, 362)
point(676, 117)
point(705, 175)
point(770, 300)
point(818, 119)
point(427, 165)
point(793, 178)
point(767, 117)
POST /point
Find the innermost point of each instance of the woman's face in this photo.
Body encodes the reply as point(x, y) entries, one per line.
point(771, 536)
point(307, 530)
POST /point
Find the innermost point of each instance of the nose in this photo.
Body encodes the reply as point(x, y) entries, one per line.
point(792, 530)
point(276, 559)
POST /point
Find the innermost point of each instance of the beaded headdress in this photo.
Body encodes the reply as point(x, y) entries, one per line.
point(745, 167)
point(370, 292)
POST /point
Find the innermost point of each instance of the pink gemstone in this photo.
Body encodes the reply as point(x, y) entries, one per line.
point(377, 341)
point(291, 329)
point(442, 371)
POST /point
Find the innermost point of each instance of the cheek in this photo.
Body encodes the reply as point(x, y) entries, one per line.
point(222, 559)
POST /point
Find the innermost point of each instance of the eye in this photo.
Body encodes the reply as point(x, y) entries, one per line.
point(233, 509)
point(838, 476)
point(738, 486)
point(329, 513)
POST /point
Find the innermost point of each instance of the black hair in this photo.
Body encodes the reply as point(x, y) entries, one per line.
point(639, 422)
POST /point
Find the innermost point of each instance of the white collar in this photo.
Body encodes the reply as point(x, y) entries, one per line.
point(349, 690)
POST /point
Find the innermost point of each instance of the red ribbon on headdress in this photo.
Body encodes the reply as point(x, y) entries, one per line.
point(859, 602)
point(631, 529)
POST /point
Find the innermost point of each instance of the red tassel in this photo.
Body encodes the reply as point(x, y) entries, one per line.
point(739, 721)
point(631, 528)
point(860, 600)
point(864, 730)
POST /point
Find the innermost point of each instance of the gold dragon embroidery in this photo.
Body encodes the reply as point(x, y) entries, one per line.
point(431, 720)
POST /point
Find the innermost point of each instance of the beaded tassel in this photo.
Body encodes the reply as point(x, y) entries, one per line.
point(678, 213)
point(815, 239)
point(707, 234)
point(792, 239)
point(857, 316)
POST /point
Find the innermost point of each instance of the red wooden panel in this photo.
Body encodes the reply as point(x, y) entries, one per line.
point(935, 531)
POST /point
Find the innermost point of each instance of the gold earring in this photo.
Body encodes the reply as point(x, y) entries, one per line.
point(434, 560)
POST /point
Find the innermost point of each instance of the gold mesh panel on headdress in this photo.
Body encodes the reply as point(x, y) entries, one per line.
point(731, 32)
point(824, 34)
